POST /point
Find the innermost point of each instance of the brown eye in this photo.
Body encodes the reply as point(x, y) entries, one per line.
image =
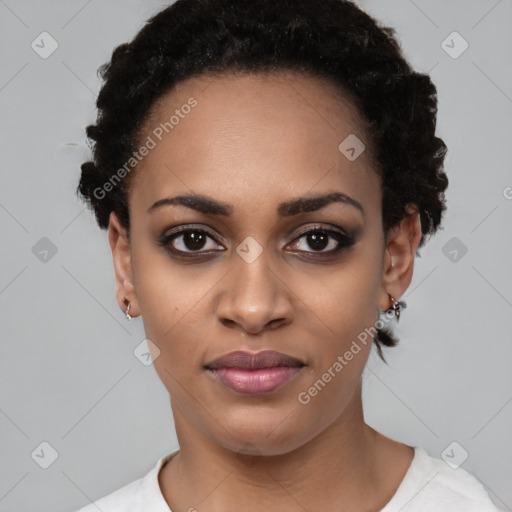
point(193, 240)
point(189, 240)
point(318, 240)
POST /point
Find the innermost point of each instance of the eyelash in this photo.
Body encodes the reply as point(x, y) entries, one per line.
point(344, 241)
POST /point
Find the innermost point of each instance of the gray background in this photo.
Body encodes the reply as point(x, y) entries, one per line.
point(69, 375)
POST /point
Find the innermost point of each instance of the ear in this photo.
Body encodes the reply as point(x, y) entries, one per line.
point(402, 242)
point(120, 246)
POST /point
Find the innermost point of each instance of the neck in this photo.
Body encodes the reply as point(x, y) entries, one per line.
point(336, 470)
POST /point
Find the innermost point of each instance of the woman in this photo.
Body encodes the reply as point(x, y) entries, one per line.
point(267, 172)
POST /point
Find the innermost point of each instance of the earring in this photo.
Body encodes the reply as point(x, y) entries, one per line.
point(127, 312)
point(397, 307)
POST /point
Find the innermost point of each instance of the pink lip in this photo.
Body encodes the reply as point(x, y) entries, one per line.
point(254, 373)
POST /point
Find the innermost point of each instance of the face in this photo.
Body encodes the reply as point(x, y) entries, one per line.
point(246, 266)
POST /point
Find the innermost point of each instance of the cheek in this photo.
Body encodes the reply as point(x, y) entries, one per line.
point(347, 305)
point(340, 357)
point(180, 359)
point(171, 305)
point(346, 297)
point(169, 294)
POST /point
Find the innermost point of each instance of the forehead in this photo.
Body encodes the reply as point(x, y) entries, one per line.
point(255, 134)
point(270, 100)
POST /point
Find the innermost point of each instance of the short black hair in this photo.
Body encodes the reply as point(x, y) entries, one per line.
point(333, 39)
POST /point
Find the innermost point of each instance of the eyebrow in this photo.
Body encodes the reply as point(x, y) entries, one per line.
point(207, 205)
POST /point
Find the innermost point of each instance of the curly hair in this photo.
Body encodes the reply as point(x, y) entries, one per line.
point(333, 39)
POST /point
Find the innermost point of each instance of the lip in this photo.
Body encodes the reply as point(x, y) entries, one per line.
point(254, 373)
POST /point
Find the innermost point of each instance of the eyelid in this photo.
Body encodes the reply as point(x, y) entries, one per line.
point(192, 227)
point(319, 227)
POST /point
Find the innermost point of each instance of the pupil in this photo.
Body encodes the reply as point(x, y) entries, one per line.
point(317, 241)
point(193, 240)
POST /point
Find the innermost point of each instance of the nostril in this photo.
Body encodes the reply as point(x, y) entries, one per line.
point(227, 322)
point(276, 322)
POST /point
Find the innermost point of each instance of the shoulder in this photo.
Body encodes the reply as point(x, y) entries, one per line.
point(122, 500)
point(458, 484)
point(431, 482)
point(141, 495)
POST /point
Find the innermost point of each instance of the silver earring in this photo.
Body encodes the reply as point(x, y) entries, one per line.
point(127, 312)
point(397, 307)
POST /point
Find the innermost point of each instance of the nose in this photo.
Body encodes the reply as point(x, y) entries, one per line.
point(254, 297)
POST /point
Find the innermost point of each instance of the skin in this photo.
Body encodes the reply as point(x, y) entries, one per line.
point(255, 141)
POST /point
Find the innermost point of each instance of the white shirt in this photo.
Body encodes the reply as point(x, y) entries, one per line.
point(429, 484)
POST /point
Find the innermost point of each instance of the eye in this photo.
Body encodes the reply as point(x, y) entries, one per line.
point(319, 239)
point(190, 240)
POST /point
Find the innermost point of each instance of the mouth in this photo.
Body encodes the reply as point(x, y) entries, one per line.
point(254, 373)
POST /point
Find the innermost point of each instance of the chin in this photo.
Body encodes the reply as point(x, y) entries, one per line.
point(264, 434)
